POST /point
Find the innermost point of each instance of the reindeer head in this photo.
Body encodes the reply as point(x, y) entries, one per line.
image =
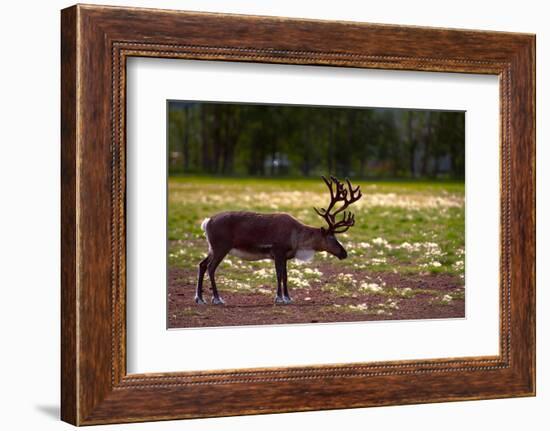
point(338, 193)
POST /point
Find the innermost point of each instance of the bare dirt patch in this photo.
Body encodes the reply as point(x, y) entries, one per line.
point(404, 297)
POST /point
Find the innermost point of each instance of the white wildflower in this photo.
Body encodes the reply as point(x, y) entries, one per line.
point(406, 246)
point(298, 282)
point(371, 287)
point(458, 265)
point(346, 278)
point(358, 307)
point(405, 291)
point(432, 249)
point(263, 273)
point(239, 285)
point(313, 271)
point(380, 241)
point(391, 304)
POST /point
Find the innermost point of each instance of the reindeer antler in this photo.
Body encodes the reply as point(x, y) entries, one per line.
point(339, 193)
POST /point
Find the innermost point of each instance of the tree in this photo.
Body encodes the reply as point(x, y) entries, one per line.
point(229, 139)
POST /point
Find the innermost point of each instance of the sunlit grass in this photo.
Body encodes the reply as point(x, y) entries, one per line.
point(403, 227)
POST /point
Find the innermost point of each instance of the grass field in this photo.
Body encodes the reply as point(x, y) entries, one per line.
point(405, 253)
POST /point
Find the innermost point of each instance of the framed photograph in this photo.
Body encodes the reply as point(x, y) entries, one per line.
point(324, 214)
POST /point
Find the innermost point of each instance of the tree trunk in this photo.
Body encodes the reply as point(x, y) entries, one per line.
point(427, 145)
point(218, 143)
point(330, 151)
point(204, 140)
point(185, 144)
point(412, 144)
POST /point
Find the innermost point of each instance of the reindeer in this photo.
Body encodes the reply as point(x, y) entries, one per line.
point(276, 236)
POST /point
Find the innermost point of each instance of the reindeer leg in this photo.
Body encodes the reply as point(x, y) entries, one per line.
point(279, 265)
point(202, 269)
point(286, 297)
point(212, 265)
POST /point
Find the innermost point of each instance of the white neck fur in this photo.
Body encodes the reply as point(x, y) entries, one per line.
point(305, 255)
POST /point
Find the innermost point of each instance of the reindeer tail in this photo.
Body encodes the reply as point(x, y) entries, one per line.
point(205, 223)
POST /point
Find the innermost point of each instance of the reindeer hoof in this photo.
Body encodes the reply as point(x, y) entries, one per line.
point(283, 300)
point(216, 300)
point(199, 300)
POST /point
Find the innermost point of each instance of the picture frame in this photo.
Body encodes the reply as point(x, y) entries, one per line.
point(96, 41)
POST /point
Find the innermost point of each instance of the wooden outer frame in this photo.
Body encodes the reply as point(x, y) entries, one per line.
point(95, 42)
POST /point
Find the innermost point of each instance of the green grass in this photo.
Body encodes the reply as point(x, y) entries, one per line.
point(414, 227)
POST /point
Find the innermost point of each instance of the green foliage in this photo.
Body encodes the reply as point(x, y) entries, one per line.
point(281, 140)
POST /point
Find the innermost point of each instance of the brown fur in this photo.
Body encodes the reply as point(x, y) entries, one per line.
point(252, 231)
point(252, 235)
